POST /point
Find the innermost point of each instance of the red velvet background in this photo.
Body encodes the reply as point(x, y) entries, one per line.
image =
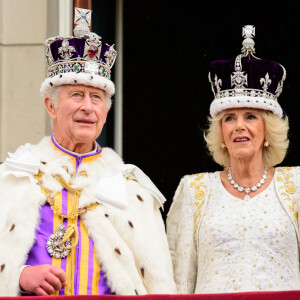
point(284, 295)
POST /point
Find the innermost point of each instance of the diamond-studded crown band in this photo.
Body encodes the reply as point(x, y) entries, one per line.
point(77, 67)
point(245, 92)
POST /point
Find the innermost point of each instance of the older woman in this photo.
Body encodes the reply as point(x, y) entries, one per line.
point(74, 219)
point(237, 230)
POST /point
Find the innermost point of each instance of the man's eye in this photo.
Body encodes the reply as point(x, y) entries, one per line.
point(76, 95)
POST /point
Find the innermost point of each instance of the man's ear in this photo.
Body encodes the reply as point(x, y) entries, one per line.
point(50, 108)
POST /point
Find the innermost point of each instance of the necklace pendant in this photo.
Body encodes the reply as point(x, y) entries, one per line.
point(54, 246)
point(247, 190)
point(247, 197)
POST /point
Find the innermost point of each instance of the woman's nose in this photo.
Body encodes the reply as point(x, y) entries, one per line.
point(240, 124)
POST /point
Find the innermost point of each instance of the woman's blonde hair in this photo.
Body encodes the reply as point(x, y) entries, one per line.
point(276, 133)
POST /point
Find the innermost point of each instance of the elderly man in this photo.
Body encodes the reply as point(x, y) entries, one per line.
point(73, 218)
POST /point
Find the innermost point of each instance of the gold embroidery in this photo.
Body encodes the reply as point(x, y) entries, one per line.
point(200, 189)
point(83, 173)
point(70, 233)
point(289, 189)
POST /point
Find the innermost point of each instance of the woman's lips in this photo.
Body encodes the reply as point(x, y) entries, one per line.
point(241, 139)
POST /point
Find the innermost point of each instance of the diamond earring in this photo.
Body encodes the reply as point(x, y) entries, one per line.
point(223, 145)
point(266, 144)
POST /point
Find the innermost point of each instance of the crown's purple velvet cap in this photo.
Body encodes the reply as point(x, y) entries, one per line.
point(78, 44)
point(255, 70)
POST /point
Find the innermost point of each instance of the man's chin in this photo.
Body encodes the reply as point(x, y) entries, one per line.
point(85, 138)
point(86, 135)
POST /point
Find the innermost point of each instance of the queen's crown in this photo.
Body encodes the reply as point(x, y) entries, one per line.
point(246, 81)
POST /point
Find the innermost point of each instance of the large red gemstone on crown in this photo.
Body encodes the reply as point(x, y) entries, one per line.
point(93, 50)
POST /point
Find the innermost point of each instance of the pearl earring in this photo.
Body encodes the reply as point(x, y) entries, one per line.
point(223, 145)
point(266, 144)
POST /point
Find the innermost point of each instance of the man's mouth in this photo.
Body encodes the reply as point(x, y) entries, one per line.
point(85, 122)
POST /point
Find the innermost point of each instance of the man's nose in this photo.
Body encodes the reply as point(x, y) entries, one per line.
point(87, 104)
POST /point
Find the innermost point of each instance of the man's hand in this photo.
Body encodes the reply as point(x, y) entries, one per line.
point(42, 280)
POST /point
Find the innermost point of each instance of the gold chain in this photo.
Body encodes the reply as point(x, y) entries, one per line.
point(56, 210)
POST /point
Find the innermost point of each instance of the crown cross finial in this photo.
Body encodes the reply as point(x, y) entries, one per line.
point(82, 16)
point(248, 43)
point(82, 20)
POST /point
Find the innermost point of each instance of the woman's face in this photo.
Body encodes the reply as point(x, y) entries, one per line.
point(243, 132)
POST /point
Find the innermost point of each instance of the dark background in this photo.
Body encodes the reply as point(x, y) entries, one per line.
point(168, 46)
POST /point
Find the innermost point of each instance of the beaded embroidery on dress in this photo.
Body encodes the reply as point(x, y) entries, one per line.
point(246, 245)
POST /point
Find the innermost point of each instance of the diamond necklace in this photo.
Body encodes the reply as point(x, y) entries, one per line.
point(248, 189)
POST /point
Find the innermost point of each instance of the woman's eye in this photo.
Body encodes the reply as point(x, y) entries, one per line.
point(251, 117)
point(76, 95)
point(228, 119)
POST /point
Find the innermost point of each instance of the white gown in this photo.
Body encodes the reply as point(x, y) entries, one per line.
point(222, 244)
point(246, 245)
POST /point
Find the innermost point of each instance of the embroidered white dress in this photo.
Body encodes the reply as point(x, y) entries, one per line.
point(246, 245)
point(240, 245)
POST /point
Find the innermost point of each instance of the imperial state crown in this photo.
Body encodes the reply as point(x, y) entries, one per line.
point(79, 59)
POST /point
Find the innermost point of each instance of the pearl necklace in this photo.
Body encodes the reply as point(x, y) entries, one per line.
point(247, 190)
